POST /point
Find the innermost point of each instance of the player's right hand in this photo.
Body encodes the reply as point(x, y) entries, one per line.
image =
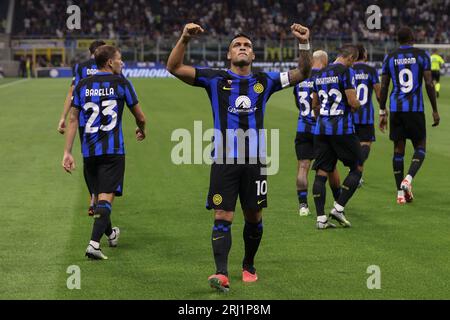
point(68, 162)
point(383, 122)
point(140, 135)
point(62, 126)
point(436, 119)
point(191, 29)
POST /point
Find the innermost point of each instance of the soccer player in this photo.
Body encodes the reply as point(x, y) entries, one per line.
point(304, 140)
point(436, 64)
point(97, 108)
point(366, 81)
point(334, 101)
point(406, 66)
point(80, 71)
point(238, 100)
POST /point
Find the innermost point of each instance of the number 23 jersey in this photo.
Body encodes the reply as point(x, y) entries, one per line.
point(100, 100)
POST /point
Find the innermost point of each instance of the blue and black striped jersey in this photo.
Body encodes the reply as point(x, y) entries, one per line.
point(100, 100)
point(330, 83)
point(303, 100)
point(239, 102)
point(83, 70)
point(365, 78)
point(405, 66)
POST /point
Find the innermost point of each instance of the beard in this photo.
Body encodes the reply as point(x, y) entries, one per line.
point(241, 63)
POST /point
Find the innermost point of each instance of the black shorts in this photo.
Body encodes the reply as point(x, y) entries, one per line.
point(304, 146)
point(365, 132)
point(227, 181)
point(330, 149)
point(407, 125)
point(104, 174)
point(436, 75)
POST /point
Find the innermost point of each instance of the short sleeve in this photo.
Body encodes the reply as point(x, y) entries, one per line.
point(349, 79)
point(130, 94)
point(385, 67)
point(375, 77)
point(426, 62)
point(76, 98)
point(277, 81)
point(204, 76)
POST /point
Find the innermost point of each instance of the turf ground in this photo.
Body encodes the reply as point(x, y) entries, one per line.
point(165, 250)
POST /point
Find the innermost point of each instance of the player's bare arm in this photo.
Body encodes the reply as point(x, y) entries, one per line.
point(175, 63)
point(316, 104)
point(377, 89)
point(62, 121)
point(140, 122)
point(352, 99)
point(68, 162)
point(431, 92)
point(385, 80)
point(303, 70)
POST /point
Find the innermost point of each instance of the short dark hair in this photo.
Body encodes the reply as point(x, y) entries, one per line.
point(239, 35)
point(103, 54)
point(361, 51)
point(94, 45)
point(348, 50)
point(405, 35)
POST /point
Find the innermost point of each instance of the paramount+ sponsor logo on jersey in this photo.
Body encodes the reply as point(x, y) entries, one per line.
point(243, 104)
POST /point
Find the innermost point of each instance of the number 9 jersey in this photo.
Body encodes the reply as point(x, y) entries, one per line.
point(405, 66)
point(330, 83)
point(100, 100)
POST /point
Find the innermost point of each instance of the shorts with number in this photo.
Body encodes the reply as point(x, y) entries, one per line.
point(407, 125)
point(104, 174)
point(227, 181)
point(330, 149)
point(304, 146)
point(365, 132)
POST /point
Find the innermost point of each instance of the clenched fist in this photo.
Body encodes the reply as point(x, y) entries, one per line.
point(190, 30)
point(300, 32)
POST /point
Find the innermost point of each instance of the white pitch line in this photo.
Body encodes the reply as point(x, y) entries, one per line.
point(13, 83)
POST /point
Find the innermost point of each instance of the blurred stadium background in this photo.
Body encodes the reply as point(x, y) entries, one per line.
point(146, 30)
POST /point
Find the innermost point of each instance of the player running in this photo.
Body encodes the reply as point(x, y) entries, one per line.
point(366, 81)
point(406, 66)
point(238, 100)
point(436, 63)
point(97, 108)
point(80, 71)
point(334, 101)
point(304, 141)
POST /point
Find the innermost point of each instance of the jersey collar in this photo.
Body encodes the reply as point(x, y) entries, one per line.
point(238, 76)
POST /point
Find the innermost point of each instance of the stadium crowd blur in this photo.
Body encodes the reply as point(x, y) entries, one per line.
point(265, 19)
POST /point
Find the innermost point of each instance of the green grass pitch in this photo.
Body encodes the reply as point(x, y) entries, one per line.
point(165, 250)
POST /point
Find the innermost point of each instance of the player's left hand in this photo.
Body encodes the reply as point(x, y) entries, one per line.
point(62, 126)
point(383, 122)
point(140, 135)
point(436, 119)
point(68, 162)
point(300, 32)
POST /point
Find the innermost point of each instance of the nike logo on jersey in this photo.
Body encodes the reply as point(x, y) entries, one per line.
point(261, 201)
point(226, 88)
point(214, 239)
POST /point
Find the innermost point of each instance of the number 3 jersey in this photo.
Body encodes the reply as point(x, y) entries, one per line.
point(330, 83)
point(405, 66)
point(303, 99)
point(100, 100)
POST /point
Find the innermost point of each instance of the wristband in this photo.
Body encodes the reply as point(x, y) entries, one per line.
point(304, 46)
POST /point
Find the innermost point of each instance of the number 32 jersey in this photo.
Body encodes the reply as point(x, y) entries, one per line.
point(405, 66)
point(100, 100)
point(330, 83)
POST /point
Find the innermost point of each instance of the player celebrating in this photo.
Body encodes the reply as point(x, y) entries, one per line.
point(80, 71)
point(334, 100)
point(98, 103)
point(366, 81)
point(436, 64)
point(304, 141)
point(406, 66)
point(238, 100)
